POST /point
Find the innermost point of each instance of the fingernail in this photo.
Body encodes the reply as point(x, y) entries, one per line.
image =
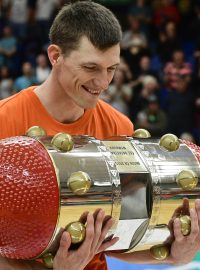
point(64, 237)
point(197, 202)
point(113, 220)
point(177, 221)
point(89, 215)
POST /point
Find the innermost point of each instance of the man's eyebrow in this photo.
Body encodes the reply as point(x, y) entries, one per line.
point(96, 64)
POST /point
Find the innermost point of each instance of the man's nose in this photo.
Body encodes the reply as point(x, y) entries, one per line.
point(102, 82)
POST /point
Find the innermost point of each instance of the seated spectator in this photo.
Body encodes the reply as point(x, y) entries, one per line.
point(6, 83)
point(178, 67)
point(152, 118)
point(125, 68)
point(144, 69)
point(143, 12)
point(133, 38)
point(168, 42)
point(119, 93)
point(44, 11)
point(166, 11)
point(27, 79)
point(8, 47)
point(19, 16)
point(180, 105)
point(42, 68)
point(3, 14)
point(134, 44)
point(148, 86)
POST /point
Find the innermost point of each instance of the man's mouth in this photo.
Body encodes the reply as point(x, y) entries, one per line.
point(92, 91)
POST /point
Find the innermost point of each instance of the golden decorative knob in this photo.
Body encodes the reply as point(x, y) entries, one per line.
point(169, 142)
point(62, 142)
point(141, 133)
point(185, 224)
point(48, 260)
point(77, 231)
point(36, 131)
point(79, 182)
point(187, 179)
point(160, 252)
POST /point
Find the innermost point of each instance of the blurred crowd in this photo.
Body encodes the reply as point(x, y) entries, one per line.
point(157, 84)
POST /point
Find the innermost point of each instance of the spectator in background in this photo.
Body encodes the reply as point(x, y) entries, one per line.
point(134, 44)
point(180, 107)
point(44, 11)
point(152, 118)
point(145, 67)
point(194, 26)
point(119, 93)
point(143, 71)
point(175, 69)
point(168, 42)
point(8, 47)
point(148, 86)
point(6, 83)
point(42, 69)
point(3, 14)
point(143, 12)
point(126, 69)
point(27, 79)
point(165, 11)
point(19, 17)
point(134, 38)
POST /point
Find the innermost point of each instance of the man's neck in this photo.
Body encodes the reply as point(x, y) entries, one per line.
point(57, 103)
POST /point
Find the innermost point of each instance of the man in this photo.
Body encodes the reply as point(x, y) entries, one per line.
point(84, 54)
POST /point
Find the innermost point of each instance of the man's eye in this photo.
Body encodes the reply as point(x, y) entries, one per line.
point(89, 68)
point(111, 69)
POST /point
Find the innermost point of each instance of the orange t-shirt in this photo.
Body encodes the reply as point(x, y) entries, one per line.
point(20, 112)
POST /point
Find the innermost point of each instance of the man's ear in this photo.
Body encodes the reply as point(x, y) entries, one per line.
point(54, 53)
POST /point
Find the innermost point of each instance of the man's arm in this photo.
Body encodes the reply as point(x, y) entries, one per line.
point(183, 248)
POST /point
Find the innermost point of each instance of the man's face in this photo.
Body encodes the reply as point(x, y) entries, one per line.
point(87, 72)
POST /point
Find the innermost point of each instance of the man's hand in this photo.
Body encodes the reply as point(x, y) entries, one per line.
point(184, 248)
point(96, 232)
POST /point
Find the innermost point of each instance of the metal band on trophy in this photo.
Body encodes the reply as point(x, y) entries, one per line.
point(47, 183)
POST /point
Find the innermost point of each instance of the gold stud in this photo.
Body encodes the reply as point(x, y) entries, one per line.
point(187, 179)
point(141, 133)
point(185, 224)
point(79, 182)
point(62, 142)
point(48, 260)
point(160, 252)
point(36, 131)
point(77, 231)
point(169, 142)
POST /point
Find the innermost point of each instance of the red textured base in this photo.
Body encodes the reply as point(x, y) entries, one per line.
point(29, 201)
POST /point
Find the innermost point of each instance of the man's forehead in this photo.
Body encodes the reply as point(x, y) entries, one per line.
point(88, 53)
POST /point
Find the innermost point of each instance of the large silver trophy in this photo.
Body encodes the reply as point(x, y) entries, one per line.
point(47, 183)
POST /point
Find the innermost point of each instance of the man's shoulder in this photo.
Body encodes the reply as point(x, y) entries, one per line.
point(14, 102)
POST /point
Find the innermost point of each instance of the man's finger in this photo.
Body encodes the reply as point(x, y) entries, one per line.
point(65, 243)
point(177, 230)
point(108, 244)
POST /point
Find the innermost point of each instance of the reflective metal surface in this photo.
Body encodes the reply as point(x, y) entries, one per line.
point(134, 180)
